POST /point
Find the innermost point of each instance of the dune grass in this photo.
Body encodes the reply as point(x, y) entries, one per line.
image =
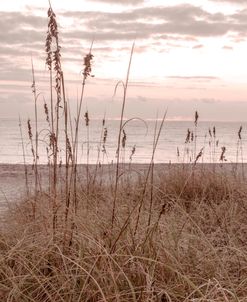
point(194, 248)
point(165, 233)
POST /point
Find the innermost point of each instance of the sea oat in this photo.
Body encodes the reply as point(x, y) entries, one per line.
point(105, 135)
point(132, 152)
point(124, 139)
point(239, 132)
point(214, 132)
point(30, 134)
point(69, 149)
point(210, 132)
point(199, 155)
point(86, 118)
point(192, 136)
point(222, 156)
point(88, 66)
point(187, 140)
point(196, 118)
point(46, 113)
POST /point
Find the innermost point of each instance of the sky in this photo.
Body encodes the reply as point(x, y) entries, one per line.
point(189, 55)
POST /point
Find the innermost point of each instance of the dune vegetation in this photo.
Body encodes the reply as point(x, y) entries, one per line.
point(165, 233)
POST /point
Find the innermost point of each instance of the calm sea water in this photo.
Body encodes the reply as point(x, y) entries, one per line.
point(171, 142)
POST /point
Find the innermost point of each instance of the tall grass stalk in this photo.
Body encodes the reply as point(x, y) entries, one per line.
point(214, 145)
point(30, 136)
point(87, 122)
point(139, 204)
point(36, 136)
point(100, 147)
point(152, 175)
point(125, 88)
point(240, 151)
point(68, 157)
point(24, 158)
point(195, 134)
point(148, 172)
point(53, 62)
point(86, 73)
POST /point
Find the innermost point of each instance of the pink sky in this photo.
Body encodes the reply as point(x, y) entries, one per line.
point(189, 55)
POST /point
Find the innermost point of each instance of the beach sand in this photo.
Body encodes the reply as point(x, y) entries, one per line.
point(13, 181)
point(12, 177)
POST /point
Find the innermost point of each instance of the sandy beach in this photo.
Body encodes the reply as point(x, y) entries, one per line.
point(13, 183)
point(12, 177)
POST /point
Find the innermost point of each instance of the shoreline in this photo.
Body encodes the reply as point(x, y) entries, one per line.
point(12, 176)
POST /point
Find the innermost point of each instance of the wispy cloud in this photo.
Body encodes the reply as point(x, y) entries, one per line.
point(226, 47)
point(198, 46)
point(231, 1)
point(195, 78)
point(122, 2)
point(183, 22)
point(158, 28)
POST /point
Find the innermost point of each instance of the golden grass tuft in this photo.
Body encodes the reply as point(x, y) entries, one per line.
point(193, 249)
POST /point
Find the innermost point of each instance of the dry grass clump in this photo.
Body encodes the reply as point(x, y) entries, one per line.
point(193, 249)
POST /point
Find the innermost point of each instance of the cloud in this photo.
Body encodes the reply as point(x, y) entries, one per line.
point(183, 22)
point(174, 22)
point(178, 38)
point(226, 47)
point(198, 46)
point(23, 33)
point(18, 27)
point(195, 78)
point(121, 2)
point(160, 22)
point(144, 84)
point(210, 100)
point(231, 1)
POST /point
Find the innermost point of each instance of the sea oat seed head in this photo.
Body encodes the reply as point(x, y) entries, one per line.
point(86, 118)
point(196, 118)
point(239, 132)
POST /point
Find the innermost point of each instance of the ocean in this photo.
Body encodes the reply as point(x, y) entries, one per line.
point(171, 147)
